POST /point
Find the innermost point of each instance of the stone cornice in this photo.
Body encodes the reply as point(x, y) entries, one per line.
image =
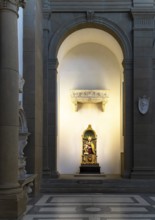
point(143, 11)
point(143, 3)
point(84, 5)
point(97, 6)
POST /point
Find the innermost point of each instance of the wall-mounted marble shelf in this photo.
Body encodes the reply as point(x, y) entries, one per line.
point(89, 96)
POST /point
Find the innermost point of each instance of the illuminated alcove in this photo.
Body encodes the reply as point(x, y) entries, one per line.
point(90, 59)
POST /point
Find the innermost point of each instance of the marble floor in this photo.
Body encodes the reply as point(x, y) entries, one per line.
point(91, 207)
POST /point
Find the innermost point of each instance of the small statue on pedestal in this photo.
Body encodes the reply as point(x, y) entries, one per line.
point(89, 157)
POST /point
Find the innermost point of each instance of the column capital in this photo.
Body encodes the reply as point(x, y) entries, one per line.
point(53, 64)
point(21, 3)
point(143, 18)
point(12, 5)
point(127, 64)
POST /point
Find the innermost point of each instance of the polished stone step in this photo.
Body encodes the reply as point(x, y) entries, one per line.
point(101, 184)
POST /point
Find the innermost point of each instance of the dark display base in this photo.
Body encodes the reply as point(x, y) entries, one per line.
point(89, 169)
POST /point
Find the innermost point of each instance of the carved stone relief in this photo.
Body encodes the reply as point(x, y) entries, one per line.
point(23, 136)
point(21, 84)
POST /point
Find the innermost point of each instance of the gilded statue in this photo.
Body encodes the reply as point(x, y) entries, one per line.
point(89, 146)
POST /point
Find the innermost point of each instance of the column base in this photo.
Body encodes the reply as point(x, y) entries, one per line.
point(12, 206)
point(46, 173)
point(55, 174)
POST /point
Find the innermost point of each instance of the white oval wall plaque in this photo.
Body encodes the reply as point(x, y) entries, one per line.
point(143, 104)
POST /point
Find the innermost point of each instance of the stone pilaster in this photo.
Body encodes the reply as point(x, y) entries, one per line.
point(46, 168)
point(33, 89)
point(12, 197)
point(128, 116)
point(52, 115)
point(143, 28)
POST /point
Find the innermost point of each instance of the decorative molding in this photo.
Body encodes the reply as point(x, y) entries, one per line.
point(143, 3)
point(11, 5)
point(3, 4)
point(98, 5)
point(143, 19)
point(53, 64)
point(127, 64)
point(90, 15)
point(89, 96)
point(46, 17)
point(27, 182)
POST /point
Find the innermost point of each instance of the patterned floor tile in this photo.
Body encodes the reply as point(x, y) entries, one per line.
point(92, 207)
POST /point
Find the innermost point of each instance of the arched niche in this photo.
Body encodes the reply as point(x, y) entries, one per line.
point(123, 43)
point(99, 23)
point(90, 59)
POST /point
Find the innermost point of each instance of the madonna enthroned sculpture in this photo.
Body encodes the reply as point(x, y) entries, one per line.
point(89, 152)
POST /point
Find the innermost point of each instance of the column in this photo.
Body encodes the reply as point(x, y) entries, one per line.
point(52, 115)
point(128, 117)
point(12, 197)
point(143, 37)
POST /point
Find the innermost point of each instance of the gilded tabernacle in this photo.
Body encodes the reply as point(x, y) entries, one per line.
point(89, 146)
point(89, 163)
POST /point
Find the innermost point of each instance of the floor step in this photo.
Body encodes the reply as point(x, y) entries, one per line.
point(72, 184)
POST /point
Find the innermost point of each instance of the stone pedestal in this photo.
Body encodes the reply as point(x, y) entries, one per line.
point(89, 169)
point(12, 195)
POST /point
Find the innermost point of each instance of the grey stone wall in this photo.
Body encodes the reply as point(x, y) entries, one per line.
point(33, 89)
point(132, 24)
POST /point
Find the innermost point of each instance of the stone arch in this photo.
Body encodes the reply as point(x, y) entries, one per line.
point(97, 22)
point(124, 42)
